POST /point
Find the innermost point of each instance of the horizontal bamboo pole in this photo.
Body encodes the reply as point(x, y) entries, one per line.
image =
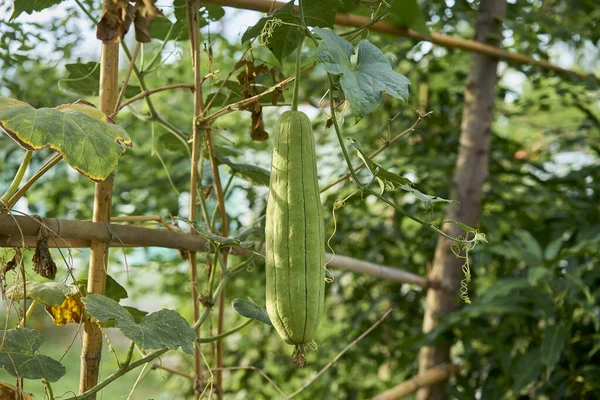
point(16, 230)
point(352, 20)
point(438, 374)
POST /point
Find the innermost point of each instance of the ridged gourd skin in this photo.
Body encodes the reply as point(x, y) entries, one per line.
point(294, 234)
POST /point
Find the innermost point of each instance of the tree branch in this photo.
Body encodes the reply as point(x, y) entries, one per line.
point(391, 29)
point(15, 229)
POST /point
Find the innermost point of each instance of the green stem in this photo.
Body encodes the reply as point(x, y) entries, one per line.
point(28, 313)
point(158, 53)
point(38, 174)
point(298, 59)
point(338, 132)
point(213, 219)
point(14, 186)
point(49, 389)
point(243, 264)
point(298, 69)
point(201, 200)
point(86, 11)
point(211, 339)
point(129, 354)
point(213, 268)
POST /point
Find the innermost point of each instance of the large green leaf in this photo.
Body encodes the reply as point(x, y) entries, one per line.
point(88, 143)
point(49, 293)
point(30, 6)
point(364, 82)
point(284, 38)
point(19, 356)
point(555, 337)
point(407, 14)
point(164, 328)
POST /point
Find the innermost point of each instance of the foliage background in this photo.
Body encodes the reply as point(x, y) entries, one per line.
point(533, 328)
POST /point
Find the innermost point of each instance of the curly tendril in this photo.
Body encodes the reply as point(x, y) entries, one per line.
point(267, 31)
point(465, 245)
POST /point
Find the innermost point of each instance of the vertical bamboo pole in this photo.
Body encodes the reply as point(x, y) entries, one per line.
point(469, 176)
point(192, 12)
point(92, 335)
point(192, 7)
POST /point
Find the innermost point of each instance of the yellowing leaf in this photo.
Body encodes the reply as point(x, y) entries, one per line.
point(77, 131)
point(69, 311)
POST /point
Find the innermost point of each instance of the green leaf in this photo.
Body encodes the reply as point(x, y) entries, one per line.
point(426, 199)
point(362, 83)
point(222, 241)
point(138, 315)
point(83, 79)
point(503, 288)
point(212, 12)
point(531, 245)
point(49, 293)
point(553, 249)
point(30, 6)
point(88, 143)
point(208, 12)
point(257, 175)
point(284, 38)
point(251, 310)
point(526, 369)
point(113, 289)
point(162, 25)
point(407, 14)
point(388, 181)
point(164, 328)
point(553, 343)
point(19, 356)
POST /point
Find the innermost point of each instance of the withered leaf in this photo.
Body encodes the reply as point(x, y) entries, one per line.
point(115, 21)
point(145, 14)
point(43, 264)
point(257, 129)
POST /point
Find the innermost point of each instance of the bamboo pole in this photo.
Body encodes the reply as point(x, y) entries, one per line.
point(18, 230)
point(192, 7)
point(433, 376)
point(91, 352)
point(352, 20)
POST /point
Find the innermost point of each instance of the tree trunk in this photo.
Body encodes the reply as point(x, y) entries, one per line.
point(469, 176)
point(92, 334)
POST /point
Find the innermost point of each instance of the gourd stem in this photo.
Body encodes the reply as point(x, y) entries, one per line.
point(298, 69)
point(298, 58)
point(14, 186)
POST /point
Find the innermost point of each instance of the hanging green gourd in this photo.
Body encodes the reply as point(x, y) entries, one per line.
point(295, 244)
